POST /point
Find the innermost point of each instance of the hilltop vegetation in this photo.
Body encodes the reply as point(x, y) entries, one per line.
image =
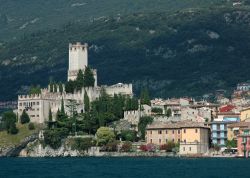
point(25, 16)
point(184, 52)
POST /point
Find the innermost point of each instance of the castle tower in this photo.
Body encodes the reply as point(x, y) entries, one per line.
point(78, 59)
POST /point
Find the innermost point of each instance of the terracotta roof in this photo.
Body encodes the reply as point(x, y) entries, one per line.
point(176, 125)
point(227, 108)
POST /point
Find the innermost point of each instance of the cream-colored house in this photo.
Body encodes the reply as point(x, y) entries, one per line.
point(193, 137)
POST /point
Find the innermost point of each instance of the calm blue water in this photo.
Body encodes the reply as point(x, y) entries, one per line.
point(123, 167)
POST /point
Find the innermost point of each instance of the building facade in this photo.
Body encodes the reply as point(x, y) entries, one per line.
point(193, 137)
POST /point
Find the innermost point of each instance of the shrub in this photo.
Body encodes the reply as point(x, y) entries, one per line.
point(126, 147)
point(168, 147)
point(82, 144)
point(157, 110)
point(13, 130)
point(54, 137)
point(151, 147)
point(31, 126)
point(143, 148)
point(128, 135)
point(111, 146)
point(24, 118)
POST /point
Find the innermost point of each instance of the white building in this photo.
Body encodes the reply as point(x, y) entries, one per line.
point(38, 106)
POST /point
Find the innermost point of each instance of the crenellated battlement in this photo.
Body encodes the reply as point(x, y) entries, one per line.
point(29, 97)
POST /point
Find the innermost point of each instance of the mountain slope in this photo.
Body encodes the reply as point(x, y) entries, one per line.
point(190, 52)
point(18, 17)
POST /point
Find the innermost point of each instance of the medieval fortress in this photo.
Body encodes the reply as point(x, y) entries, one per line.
point(38, 106)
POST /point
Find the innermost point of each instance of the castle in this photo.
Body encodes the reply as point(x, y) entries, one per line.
point(37, 106)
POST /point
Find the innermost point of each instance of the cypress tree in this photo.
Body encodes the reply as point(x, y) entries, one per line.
point(60, 87)
point(88, 78)
point(50, 115)
point(62, 106)
point(86, 102)
point(24, 118)
point(145, 99)
point(79, 80)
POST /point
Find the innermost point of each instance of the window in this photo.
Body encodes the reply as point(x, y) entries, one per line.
point(185, 141)
point(190, 148)
point(173, 131)
point(196, 130)
point(37, 109)
point(20, 104)
point(37, 115)
point(151, 132)
point(179, 140)
point(166, 140)
point(166, 131)
point(159, 141)
point(184, 130)
point(37, 103)
point(159, 132)
point(150, 140)
point(34, 103)
point(173, 140)
point(179, 131)
point(183, 148)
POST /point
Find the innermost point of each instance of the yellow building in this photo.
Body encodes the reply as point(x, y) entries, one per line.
point(192, 136)
point(245, 114)
point(233, 129)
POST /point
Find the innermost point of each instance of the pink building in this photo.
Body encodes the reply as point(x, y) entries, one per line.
point(243, 142)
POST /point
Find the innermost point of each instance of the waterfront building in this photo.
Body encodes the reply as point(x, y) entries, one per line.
point(38, 106)
point(193, 137)
point(243, 142)
point(245, 114)
point(219, 128)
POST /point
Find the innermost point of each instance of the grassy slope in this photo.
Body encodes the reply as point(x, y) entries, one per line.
point(11, 140)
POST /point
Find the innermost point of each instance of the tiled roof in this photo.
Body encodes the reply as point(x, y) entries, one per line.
point(227, 108)
point(176, 125)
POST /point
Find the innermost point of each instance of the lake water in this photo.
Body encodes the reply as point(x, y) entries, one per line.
point(123, 168)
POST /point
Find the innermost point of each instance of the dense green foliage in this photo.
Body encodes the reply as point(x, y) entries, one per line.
point(86, 102)
point(9, 122)
point(129, 135)
point(82, 144)
point(188, 52)
point(104, 136)
point(35, 90)
point(231, 144)
point(88, 77)
point(144, 121)
point(24, 118)
point(31, 126)
point(157, 110)
point(53, 137)
point(40, 14)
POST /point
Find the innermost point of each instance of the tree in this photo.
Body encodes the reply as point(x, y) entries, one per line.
point(104, 135)
point(169, 112)
point(70, 86)
point(144, 121)
point(60, 87)
point(9, 122)
point(24, 117)
point(157, 110)
point(88, 78)
point(144, 97)
point(50, 115)
point(62, 107)
point(82, 144)
point(79, 80)
point(86, 102)
point(35, 90)
point(128, 135)
point(31, 126)
point(53, 137)
point(231, 144)
point(72, 106)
